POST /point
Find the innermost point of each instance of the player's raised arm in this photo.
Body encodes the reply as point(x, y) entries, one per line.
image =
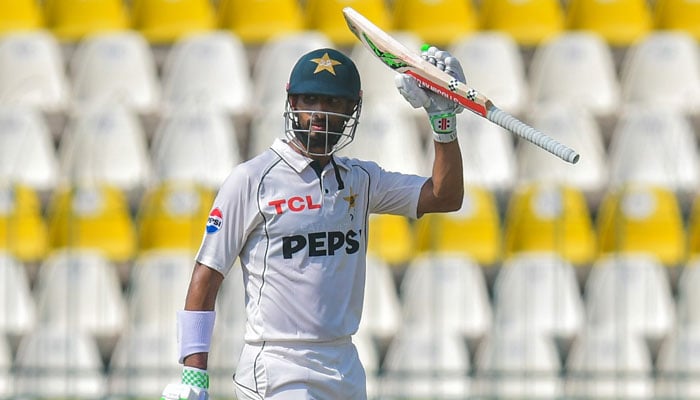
point(195, 329)
point(444, 190)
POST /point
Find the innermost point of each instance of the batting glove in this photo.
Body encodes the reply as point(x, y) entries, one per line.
point(441, 111)
point(194, 386)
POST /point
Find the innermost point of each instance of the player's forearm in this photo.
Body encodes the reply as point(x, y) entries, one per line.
point(446, 185)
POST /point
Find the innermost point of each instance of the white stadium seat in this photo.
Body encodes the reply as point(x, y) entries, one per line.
point(194, 144)
point(576, 68)
point(689, 295)
point(32, 71)
point(209, 70)
point(105, 144)
point(538, 293)
point(81, 290)
point(577, 128)
point(157, 288)
point(515, 364)
point(381, 313)
point(59, 363)
point(445, 292)
point(27, 154)
point(629, 292)
point(426, 362)
point(606, 363)
point(15, 295)
point(389, 138)
point(143, 363)
point(488, 153)
point(678, 365)
point(654, 145)
point(663, 69)
point(6, 378)
point(115, 67)
point(493, 64)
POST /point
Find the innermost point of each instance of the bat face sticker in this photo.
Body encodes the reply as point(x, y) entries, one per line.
point(387, 58)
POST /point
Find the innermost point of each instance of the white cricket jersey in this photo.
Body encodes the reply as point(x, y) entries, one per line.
point(301, 240)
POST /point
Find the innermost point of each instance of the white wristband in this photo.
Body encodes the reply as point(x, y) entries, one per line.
point(194, 332)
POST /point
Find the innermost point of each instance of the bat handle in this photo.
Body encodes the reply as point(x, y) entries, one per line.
point(507, 121)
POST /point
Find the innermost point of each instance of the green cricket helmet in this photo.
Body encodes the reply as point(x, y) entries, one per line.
point(325, 72)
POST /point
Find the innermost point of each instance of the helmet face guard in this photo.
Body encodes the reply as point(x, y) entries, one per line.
point(321, 142)
point(323, 72)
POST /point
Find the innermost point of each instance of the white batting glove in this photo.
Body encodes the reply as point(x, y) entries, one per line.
point(194, 386)
point(441, 111)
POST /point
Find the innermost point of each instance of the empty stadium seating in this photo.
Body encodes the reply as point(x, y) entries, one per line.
point(529, 22)
point(19, 15)
point(259, 21)
point(167, 21)
point(513, 364)
point(577, 128)
point(72, 20)
point(584, 55)
point(92, 217)
point(27, 153)
point(327, 16)
point(16, 300)
point(436, 22)
point(33, 71)
point(116, 67)
point(160, 99)
point(642, 218)
point(619, 22)
point(105, 144)
point(550, 218)
point(23, 230)
point(495, 66)
point(474, 230)
point(662, 69)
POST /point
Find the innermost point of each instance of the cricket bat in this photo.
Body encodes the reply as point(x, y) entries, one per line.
point(402, 60)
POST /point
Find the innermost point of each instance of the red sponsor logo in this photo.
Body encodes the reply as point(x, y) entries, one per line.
point(294, 204)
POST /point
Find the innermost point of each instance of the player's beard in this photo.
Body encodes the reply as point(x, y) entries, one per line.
point(320, 133)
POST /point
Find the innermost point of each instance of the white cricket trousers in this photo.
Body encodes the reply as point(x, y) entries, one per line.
point(300, 371)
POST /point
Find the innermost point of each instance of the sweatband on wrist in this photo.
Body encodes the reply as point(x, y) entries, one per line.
point(444, 127)
point(195, 377)
point(194, 331)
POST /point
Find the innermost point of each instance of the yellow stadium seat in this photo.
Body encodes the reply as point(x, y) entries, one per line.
point(619, 22)
point(642, 218)
point(550, 218)
point(92, 217)
point(694, 229)
point(19, 15)
point(257, 21)
point(391, 238)
point(327, 16)
point(23, 231)
point(529, 22)
point(474, 230)
point(438, 22)
point(173, 216)
point(165, 21)
point(71, 20)
point(681, 15)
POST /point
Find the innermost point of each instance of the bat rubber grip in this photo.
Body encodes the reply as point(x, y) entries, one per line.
point(507, 121)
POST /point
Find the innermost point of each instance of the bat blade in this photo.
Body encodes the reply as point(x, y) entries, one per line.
point(402, 60)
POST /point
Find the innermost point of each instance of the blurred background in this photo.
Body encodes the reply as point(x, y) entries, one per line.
point(119, 120)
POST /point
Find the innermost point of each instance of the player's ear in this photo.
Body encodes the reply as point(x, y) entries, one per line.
point(292, 99)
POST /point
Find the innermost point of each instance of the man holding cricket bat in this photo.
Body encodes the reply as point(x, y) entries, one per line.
point(296, 215)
